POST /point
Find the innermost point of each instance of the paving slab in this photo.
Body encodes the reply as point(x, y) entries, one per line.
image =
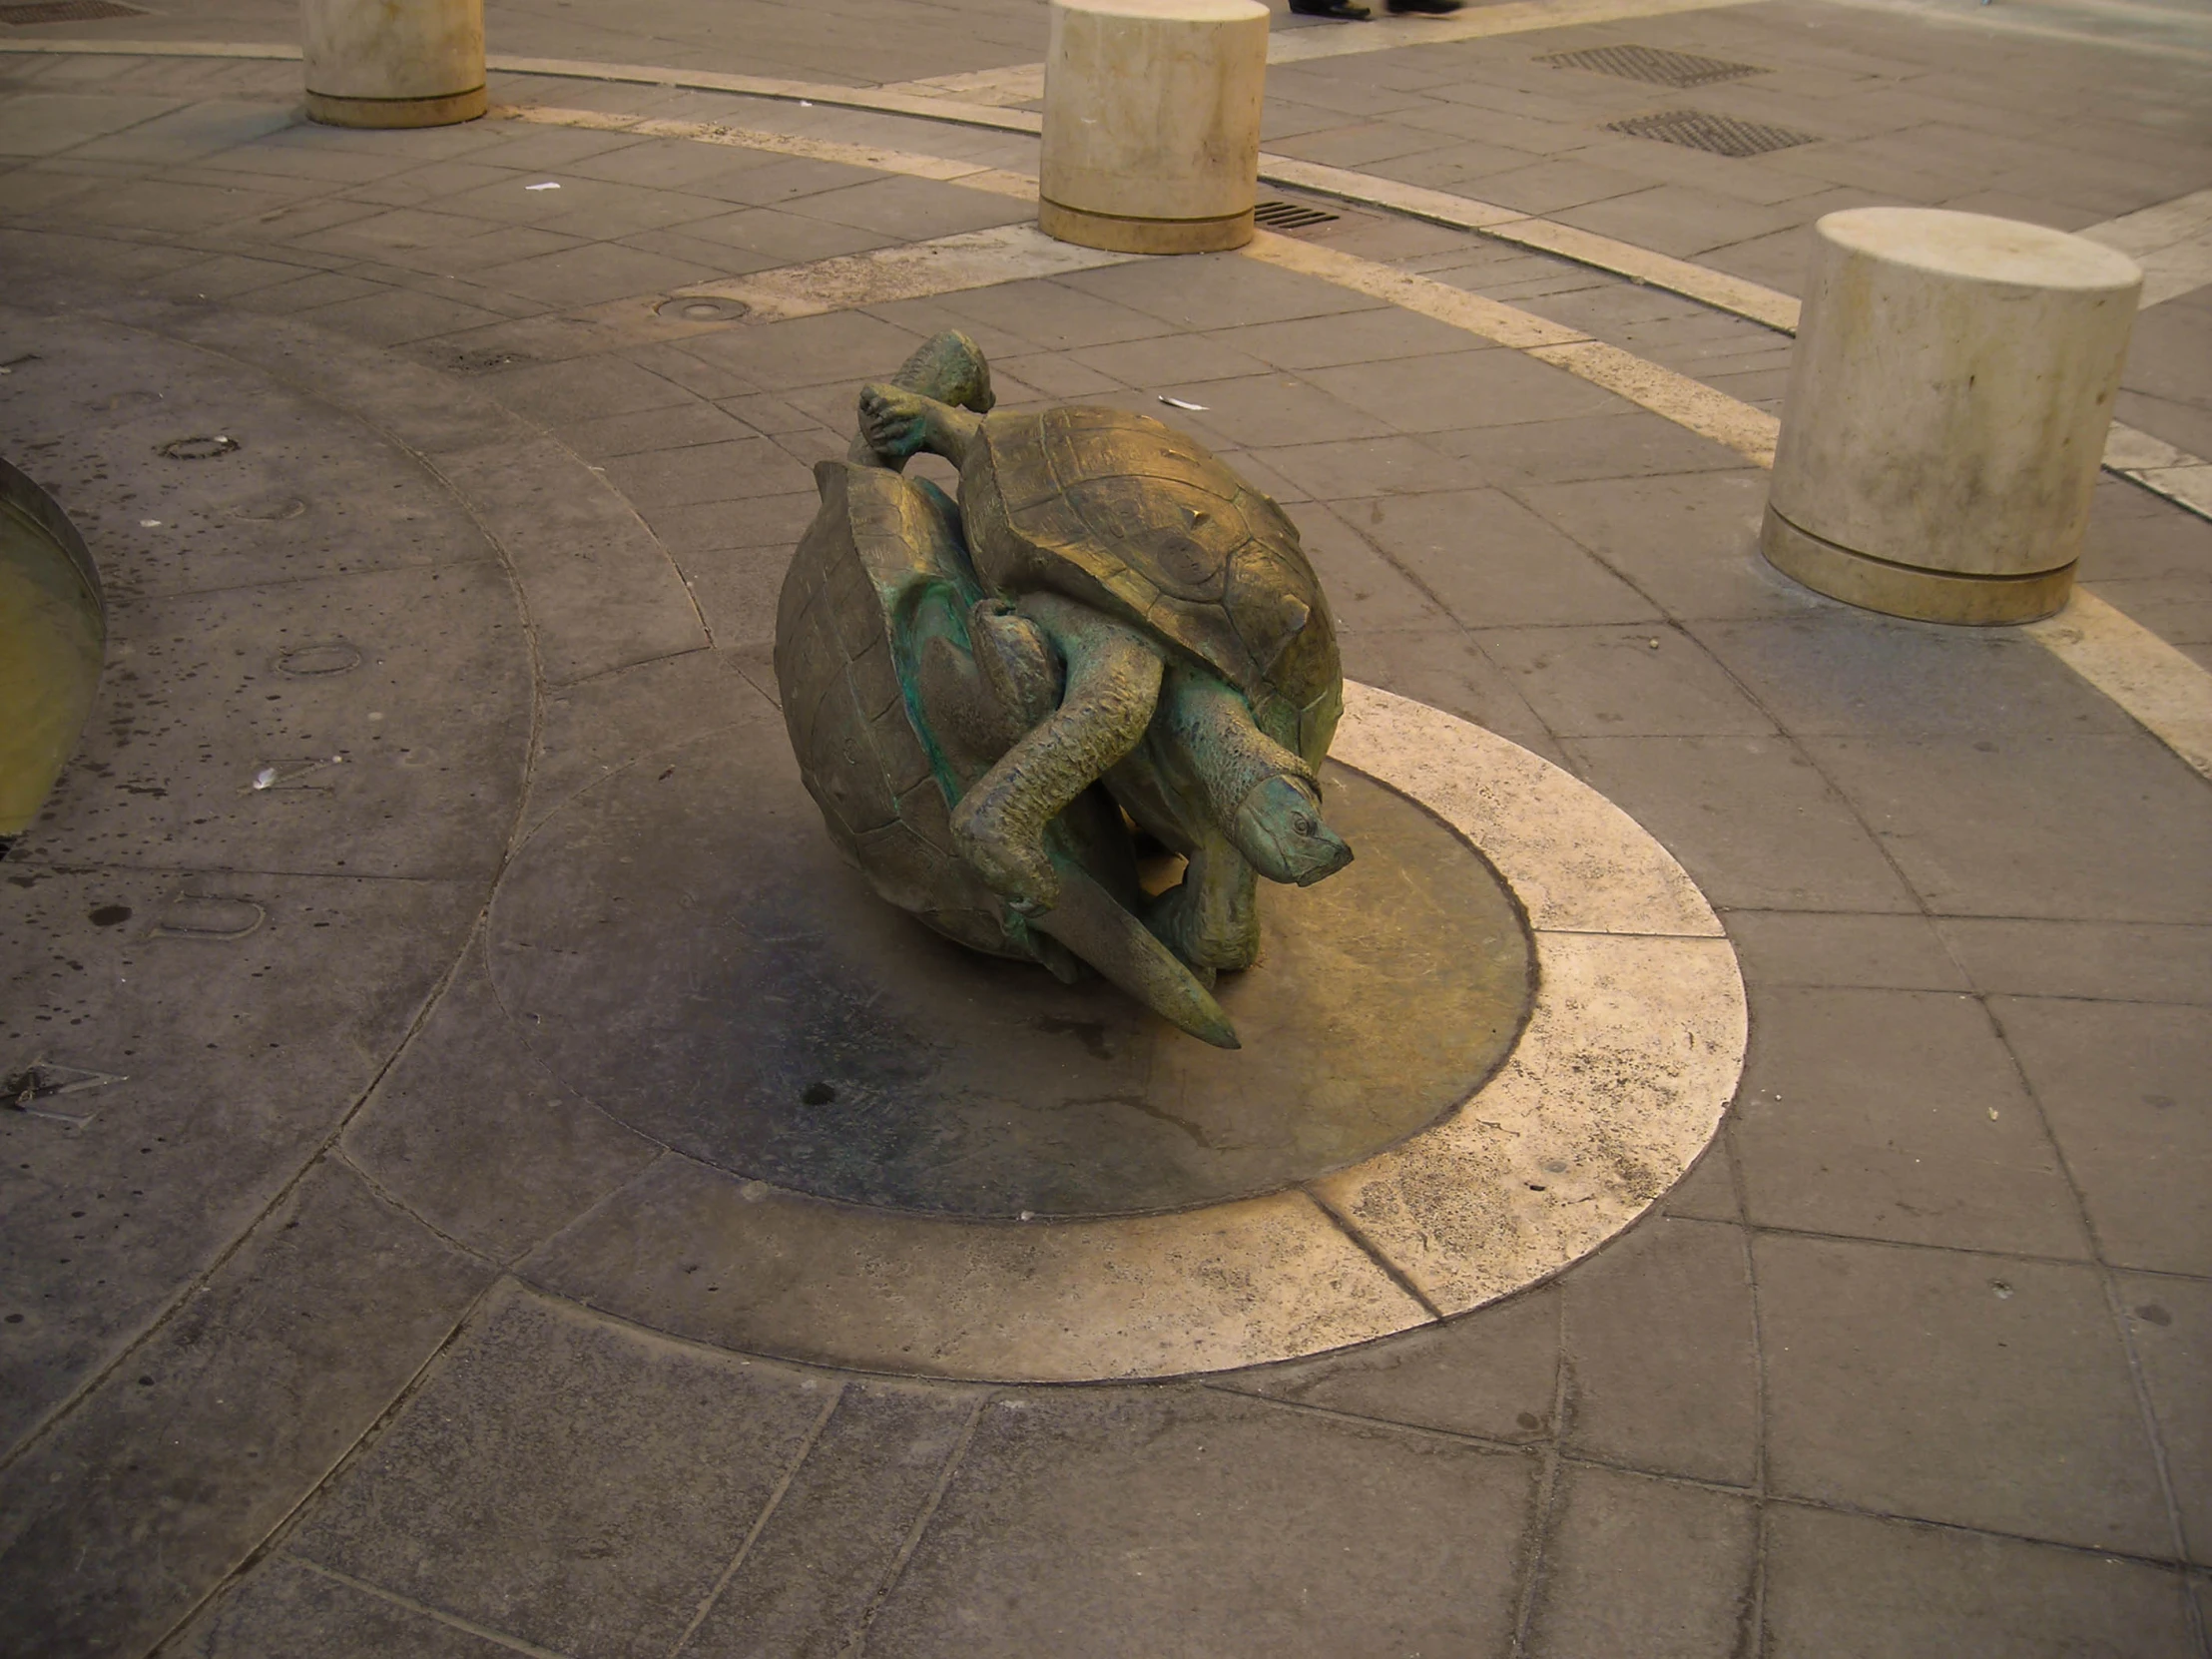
point(1985, 1392)
point(2007, 833)
point(1144, 1523)
point(1899, 1115)
point(545, 1480)
point(202, 1442)
point(1850, 1585)
point(1493, 1376)
point(1644, 1566)
point(2170, 1326)
point(1758, 823)
point(2123, 1088)
point(1661, 1362)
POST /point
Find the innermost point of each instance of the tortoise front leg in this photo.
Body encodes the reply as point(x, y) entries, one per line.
point(948, 368)
point(896, 424)
point(1211, 918)
point(1113, 682)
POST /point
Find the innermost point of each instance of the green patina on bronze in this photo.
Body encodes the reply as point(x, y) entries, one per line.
point(1111, 629)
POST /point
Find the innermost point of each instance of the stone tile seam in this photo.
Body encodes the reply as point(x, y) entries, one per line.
point(774, 1502)
point(2125, 1327)
point(272, 1541)
point(341, 1154)
point(1813, 1234)
point(422, 1609)
point(159, 1318)
point(946, 1473)
point(390, 418)
point(1395, 1274)
point(1750, 1493)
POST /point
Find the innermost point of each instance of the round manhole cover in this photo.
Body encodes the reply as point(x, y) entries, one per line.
point(701, 308)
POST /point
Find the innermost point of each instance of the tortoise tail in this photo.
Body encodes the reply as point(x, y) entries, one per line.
point(1088, 921)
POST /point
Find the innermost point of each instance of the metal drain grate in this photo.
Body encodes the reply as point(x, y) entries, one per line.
point(27, 12)
point(1289, 216)
point(1720, 135)
point(1654, 63)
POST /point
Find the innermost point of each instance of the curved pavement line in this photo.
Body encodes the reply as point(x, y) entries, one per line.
point(879, 100)
point(2164, 689)
point(2174, 474)
point(2119, 657)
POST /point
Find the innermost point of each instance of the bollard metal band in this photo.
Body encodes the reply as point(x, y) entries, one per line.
point(446, 109)
point(1125, 235)
point(1908, 590)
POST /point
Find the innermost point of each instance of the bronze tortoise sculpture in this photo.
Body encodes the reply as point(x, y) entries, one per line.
point(1111, 623)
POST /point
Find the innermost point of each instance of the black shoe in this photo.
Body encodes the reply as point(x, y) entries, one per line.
point(1343, 11)
point(1429, 8)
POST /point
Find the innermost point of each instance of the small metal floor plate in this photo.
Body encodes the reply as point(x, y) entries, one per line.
point(1719, 135)
point(1652, 64)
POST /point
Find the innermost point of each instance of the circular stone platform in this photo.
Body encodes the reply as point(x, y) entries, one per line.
point(1491, 1044)
point(756, 1006)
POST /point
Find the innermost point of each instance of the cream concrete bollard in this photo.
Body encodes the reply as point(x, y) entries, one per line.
point(1152, 124)
point(393, 63)
point(1946, 412)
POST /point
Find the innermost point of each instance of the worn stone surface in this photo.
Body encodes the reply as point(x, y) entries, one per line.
point(2123, 1088)
point(1955, 1387)
point(1144, 1523)
point(1899, 1115)
point(1662, 1368)
point(2170, 1326)
point(1858, 1584)
point(202, 1441)
point(1643, 1566)
point(469, 1130)
point(839, 1533)
point(742, 1265)
point(289, 1607)
point(1646, 1034)
point(577, 1483)
point(1493, 1375)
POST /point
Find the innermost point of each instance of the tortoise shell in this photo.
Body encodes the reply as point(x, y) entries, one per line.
point(880, 554)
point(1123, 513)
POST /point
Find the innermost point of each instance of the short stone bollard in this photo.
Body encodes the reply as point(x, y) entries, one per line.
point(1946, 412)
point(1152, 124)
point(393, 63)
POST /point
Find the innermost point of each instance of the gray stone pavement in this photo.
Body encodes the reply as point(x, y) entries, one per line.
point(1911, 1363)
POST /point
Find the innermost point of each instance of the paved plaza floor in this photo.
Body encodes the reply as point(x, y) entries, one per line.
point(362, 1291)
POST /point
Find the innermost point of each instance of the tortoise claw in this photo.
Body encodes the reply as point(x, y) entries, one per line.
point(1089, 922)
point(894, 421)
point(1019, 872)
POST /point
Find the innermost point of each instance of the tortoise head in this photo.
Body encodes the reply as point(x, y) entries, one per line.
point(1280, 830)
point(949, 367)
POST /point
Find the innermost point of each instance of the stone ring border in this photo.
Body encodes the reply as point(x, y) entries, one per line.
point(1627, 1063)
